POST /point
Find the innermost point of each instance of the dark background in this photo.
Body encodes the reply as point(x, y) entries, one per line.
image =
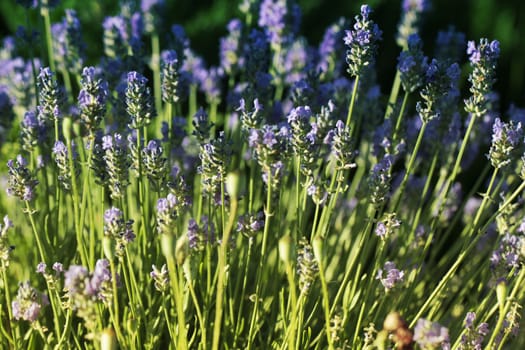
point(205, 21)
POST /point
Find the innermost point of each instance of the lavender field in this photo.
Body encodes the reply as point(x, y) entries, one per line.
point(279, 198)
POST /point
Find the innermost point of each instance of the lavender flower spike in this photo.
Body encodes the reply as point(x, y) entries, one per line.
point(362, 42)
point(431, 335)
point(138, 100)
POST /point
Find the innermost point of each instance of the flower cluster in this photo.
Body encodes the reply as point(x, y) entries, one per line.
point(250, 224)
point(412, 11)
point(28, 303)
point(92, 98)
point(138, 100)
point(50, 97)
point(270, 147)
point(117, 164)
point(473, 337)
point(65, 173)
point(507, 143)
point(412, 64)
point(84, 289)
point(118, 230)
point(362, 42)
point(307, 266)
point(21, 182)
point(198, 236)
point(155, 165)
point(5, 248)
point(431, 335)
point(160, 278)
point(390, 276)
point(166, 214)
point(68, 44)
point(214, 161)
point(170, 77)
point(483, 59)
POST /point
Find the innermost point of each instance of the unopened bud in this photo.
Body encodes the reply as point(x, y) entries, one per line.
point(286, 249)
point(108, 340)
point(318, 245)
point(232, 184)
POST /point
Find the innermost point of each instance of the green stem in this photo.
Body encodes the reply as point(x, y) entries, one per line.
point(172, 334)
point(14, 330)
point(114, 311)
point(155, 67)
point(49, 41)
point(258, 279)
point(326, 305)
point(456, 168)
point(503, 311)
point(399, 119)
point(222, 272)
point(202, 324)
point(410, 166)
point(393, 95)
point(352, 103)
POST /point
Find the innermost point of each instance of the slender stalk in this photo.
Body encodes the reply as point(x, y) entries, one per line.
point(47, 29)
point(155, 67)
point(503, 311)
point(410, 167)
point(326, 304)
point(258, 279)
point(352, 103)
point(221, 269)
point(14, 330)
point(393, 95)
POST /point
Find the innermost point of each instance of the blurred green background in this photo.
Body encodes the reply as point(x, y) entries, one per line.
point(205, 21)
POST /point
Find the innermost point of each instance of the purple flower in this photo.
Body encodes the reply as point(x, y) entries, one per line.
point(152, 11)
point(381, 230)
point(507, 255)
point(171, 89)
point(118, 229)
point(272, 17)
point(393, 276)
point(507, 143)
point(160, 277)
point(193, 234)
point(410, 18)
point(167, 213)
point(92, 98)
point(155, 165)
point(28, 303)
point(74, 279)
point(412, 64)
point(100, 275)
point(417, 5)
point(50, 96)
point(21, 181)
point(231, 49)
point(431, 335)
point(68, 44)
point(41, 268)
point(116, 37)
point(362, 42)
point(210, 83)
point(269, 138)
point(473, 337)
point(60, 148)
point(483, 59)
point(138, 100)
point(485, 51)
point(58, 267)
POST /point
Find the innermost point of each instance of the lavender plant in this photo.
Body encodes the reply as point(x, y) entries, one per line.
point(274, 200)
